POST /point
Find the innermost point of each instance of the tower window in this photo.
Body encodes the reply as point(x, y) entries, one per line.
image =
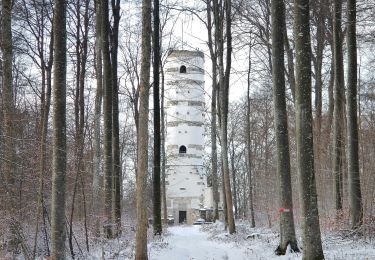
point(183, 69)
point(182, 149)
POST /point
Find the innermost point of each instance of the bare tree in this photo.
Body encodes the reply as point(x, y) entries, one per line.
point(97, 181)
point(224, 99)
point(156, 170)
point(107, 109)
point(248, 144)
point(142, 140)
point(339, 93)
point(287, 231)
point(116, 168)
point(10, 164)
point(213, 55)
point(356, 208)
point(305, 153)
point(59, 132)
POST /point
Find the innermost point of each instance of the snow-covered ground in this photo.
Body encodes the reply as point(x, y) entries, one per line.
point(211, 242)
point(190, 242)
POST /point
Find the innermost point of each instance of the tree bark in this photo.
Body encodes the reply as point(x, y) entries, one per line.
point(97, 182)
point(8, 99)
point(59, 132)
point(142, 140)
point(213, 55)
point(305, 152)
point(44, 110)
point(10, 171)
point(116, 168)
point(289, 52)
point(338, 137)
point(320, 35)
point(156, 170)
point(355, 196)
point(224, 100)
point(162, 140)
point(234, 179)
point(248, 144)
point(107, 109)
point(287, 230)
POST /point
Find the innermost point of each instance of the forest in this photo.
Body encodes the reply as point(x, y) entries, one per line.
point(289, 125)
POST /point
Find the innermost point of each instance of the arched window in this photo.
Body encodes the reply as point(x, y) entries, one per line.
point(182, 149)
point(183, 69)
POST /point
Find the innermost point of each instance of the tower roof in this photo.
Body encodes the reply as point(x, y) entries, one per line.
point(185, 53)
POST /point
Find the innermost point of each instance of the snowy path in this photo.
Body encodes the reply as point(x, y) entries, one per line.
point(189, 243)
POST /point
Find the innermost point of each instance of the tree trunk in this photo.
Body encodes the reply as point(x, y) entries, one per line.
point(97, 182)
point(234, 179)
point(289, 52)
point(287, 230)
point(142, 140)
point(8, 95)
point(355, 196)
point(162, 139)
point(224, 98)
point(305, 151)
point(107, 109)
point(338, 137)
point(320, 34)
point(116, 168)
point(248, 144)
point(45, 109)
point(59, 132)
point(79, 109)
point(331, 99)
point(10, 161)
point(156, 170)
point(213, 55)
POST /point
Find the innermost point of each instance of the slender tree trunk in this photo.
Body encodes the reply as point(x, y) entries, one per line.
point(142, 164)
point(355, 196)
point(97, 185)
point(10, 171)
point(289, 52)
point(320, 34)
point(116, 168)
point(331, 99)
point(287, 230)
point(107, 109)
point(248, 144)
point(225, 209)
point(338, 137)
point(234, 179)
point(45, 109)
point(213, 54)
point(156, 173)
point(59, 132)
point(163, 159)
point(305, 151)
point(224, 98)
point(79, 109)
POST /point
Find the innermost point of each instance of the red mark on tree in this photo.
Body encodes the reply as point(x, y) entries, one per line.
point(282, 210)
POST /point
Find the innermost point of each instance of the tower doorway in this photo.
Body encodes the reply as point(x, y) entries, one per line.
point(182, 217)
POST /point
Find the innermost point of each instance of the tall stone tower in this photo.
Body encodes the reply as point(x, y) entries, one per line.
point(186, 184)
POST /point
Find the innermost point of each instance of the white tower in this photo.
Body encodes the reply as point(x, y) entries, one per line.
point(186, 185)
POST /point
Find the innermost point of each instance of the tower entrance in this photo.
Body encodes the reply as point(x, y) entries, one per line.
point(181, 217)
